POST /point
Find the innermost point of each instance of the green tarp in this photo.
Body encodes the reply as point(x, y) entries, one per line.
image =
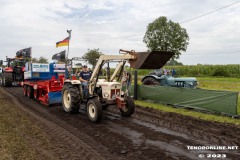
point(217, 101)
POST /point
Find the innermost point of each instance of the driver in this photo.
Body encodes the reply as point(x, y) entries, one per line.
point(84, 77)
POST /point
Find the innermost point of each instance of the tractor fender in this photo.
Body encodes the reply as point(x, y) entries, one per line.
point(8, 69)
point(73, 82)
point(154, 76)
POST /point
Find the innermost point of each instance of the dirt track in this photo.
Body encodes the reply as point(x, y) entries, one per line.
point(148, 134)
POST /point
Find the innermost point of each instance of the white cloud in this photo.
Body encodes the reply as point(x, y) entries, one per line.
point(99, 23)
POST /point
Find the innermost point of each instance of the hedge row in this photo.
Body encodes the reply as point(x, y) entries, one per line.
point(202, 70)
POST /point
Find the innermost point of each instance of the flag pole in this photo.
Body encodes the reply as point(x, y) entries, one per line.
point(67, 73)
point(29, 65)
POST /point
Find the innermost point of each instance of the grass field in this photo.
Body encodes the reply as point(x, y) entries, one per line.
point(226, 84)
point(210, 83)
point(16, 128)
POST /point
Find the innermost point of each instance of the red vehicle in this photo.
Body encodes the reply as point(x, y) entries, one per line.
point(44, 82)
point(13, 73)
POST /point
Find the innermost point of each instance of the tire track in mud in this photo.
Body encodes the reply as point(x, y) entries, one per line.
point(66, 146)
point(148, 134)
point(174, 134)
point(203, 130)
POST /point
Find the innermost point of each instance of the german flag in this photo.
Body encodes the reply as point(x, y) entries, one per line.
point(64, 42)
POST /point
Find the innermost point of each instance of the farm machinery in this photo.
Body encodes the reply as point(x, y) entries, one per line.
point(44, 82)
point(158, 78)
point(13, 73)
point(101, 92)
point(105, 92)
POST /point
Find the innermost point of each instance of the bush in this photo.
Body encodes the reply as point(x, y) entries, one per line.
point(201, 70)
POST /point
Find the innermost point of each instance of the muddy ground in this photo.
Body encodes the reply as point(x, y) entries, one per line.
point(148, 134)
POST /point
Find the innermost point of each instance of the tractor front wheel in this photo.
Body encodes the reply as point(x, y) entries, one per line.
point(150, 81)
point(70, 98)
point(94, 110)
point(129, 108)
point(7, 79)
point(25, 90)
point(2, 82)
point(29, 91)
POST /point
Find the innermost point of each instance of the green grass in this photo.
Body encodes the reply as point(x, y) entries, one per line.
point(16, 128)
point(227, 84)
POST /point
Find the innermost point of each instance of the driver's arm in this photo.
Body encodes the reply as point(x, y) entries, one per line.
point(82, 80)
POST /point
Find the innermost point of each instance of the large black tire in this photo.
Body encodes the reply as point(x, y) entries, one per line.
point(25, 90)
point(35, 93)
point(2, 80)
point(29, 91)
point(130, 107)
point(94, 110)
point(7, 79)
point(150, 81)
point(70, 98)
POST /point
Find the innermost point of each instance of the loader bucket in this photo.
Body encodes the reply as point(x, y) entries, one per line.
point(150, 60)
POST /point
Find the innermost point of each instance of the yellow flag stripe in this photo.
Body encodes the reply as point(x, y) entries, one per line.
point(62, 44)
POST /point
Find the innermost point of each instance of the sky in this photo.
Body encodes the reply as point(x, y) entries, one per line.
point(111, 25)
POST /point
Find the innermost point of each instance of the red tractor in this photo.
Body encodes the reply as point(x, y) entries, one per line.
point(13, 73)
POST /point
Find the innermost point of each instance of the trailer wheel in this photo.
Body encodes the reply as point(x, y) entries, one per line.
point(70, 98)
point(7, 79)
point(150, 81)
point(129, 109)
point(2, 82)
point(25, 90)
point(94, 110)
point(35, 94)
point(29, 91)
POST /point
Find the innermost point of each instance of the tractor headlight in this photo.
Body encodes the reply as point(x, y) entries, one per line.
point(105, 94)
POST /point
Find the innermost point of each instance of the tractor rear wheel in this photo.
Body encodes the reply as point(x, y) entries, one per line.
point(29, 91)
point(7, 79)
point(150, 81)
point(2, 80)
point(70, 98)
point(129, 108)
point(94, 110)
point(35, 94)
point(25, 90)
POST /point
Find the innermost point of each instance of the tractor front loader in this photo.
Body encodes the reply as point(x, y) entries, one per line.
point(105, 92)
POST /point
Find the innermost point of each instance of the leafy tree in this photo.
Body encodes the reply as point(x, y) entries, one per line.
point(164, 35)
point(40, 60)
point(92, 55)
point(34, 60)
point(173, 62)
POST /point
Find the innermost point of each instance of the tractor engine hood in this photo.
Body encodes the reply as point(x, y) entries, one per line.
point(188, 79)
point(150, 60)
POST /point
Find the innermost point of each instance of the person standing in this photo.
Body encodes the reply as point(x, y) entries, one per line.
point(173, 72)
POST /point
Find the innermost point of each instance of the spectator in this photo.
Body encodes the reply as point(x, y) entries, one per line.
point(89, 70)
point(126, 79)
point(173, 72)
point(164, 71)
